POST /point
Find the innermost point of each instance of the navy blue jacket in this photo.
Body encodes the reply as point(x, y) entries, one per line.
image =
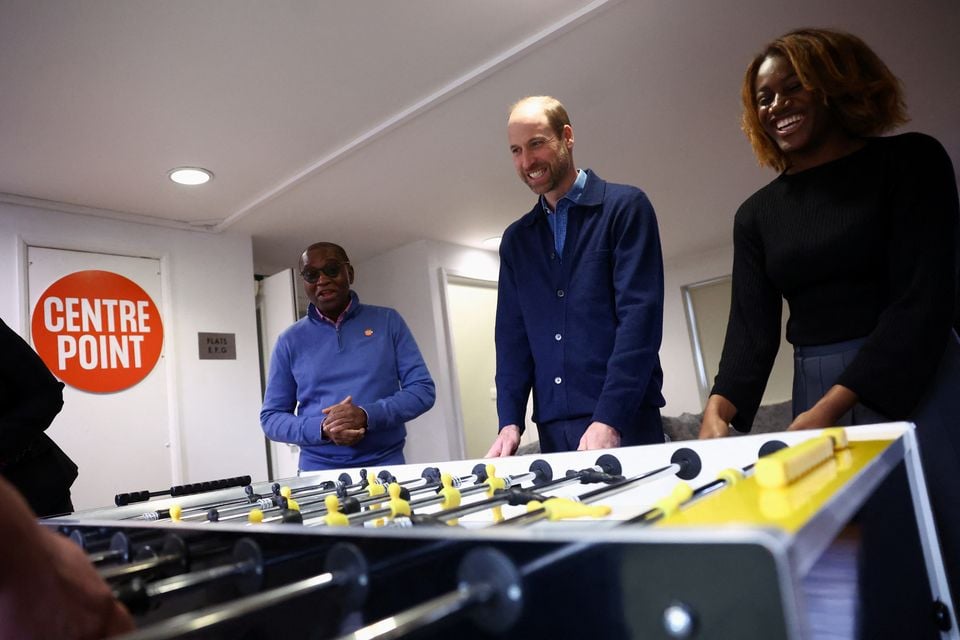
point(583, 329)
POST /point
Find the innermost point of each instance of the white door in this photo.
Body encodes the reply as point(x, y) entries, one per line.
point(471, 310)
point(277, 308)
point(119, 440)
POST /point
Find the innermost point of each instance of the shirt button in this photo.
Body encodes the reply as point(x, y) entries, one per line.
point(553, 256)
point(558, 337)
point(560, 293)
point(557, 380)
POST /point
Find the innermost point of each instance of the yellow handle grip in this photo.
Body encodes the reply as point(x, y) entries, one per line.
point(564, 508)
point(731, 476)
point(839, 435)
point(787, 465)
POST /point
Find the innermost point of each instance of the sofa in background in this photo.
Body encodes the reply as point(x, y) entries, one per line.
point(771, 417)
point(686, 426)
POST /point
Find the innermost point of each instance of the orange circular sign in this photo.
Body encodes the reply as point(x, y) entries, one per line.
point(97, 331)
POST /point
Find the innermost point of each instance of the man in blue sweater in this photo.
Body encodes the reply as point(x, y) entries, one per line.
point(345, 378)
point(580, 300)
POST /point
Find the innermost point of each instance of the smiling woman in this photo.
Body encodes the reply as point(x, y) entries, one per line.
point(817, 87)
point(797, 119)
point(859, 235)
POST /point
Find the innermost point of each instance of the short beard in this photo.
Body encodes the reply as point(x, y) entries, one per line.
point(556, 170)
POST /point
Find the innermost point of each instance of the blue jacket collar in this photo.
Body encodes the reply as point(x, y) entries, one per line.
point(592, 196)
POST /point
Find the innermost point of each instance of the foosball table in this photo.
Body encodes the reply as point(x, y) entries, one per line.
point(706, 539)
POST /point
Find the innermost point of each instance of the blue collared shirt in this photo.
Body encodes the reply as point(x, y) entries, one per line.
point(558, 219)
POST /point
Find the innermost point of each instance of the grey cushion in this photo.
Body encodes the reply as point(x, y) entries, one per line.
point(771, 417)
point(686, 426)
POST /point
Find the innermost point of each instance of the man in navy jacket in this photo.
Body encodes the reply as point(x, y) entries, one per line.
point(580, 300)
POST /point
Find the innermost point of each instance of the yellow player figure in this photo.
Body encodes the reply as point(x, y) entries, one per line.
point(376, 489)
point(494, 483)
point(451, 496)
point(334, 518)
point(397, 505)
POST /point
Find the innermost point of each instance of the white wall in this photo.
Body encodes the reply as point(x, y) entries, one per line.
point(676, 354)
point(471, 321)
point(208, 286)
point(409, 280)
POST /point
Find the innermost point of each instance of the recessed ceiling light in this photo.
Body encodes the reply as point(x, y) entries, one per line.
point(491, 243)
point(191, 176)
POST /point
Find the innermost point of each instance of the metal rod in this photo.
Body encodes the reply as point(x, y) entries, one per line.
point(219, 614)
point(652, 515)
point(198, 578)
point(133, 568)
point(425, 614)
point(500, 499)
point(592, 496)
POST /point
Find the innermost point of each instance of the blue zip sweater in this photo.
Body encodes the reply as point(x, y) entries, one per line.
point(582, 329)
point(371, 356)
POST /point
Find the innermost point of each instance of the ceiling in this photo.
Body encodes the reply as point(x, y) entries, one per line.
point(377, 123)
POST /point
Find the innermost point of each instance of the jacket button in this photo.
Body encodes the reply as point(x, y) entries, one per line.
point(557, 380)
point(560, 293)
point(558, 337)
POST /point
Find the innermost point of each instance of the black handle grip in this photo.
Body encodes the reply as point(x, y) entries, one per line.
point(122, 499)
point(212, 485)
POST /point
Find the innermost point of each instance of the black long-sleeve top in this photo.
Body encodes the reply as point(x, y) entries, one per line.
point(30, 398)
point(863, 246)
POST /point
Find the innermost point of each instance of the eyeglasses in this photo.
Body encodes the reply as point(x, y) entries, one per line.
point(332, 270)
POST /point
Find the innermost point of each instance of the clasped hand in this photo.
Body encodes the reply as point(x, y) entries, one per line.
point(345, 423)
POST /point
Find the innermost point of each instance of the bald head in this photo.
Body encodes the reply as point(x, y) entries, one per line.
point(327, 275)
point(334, 250)
point(535, 106)
point(541, 143)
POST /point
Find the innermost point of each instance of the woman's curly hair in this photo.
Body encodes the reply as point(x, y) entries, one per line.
point(855, 84)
